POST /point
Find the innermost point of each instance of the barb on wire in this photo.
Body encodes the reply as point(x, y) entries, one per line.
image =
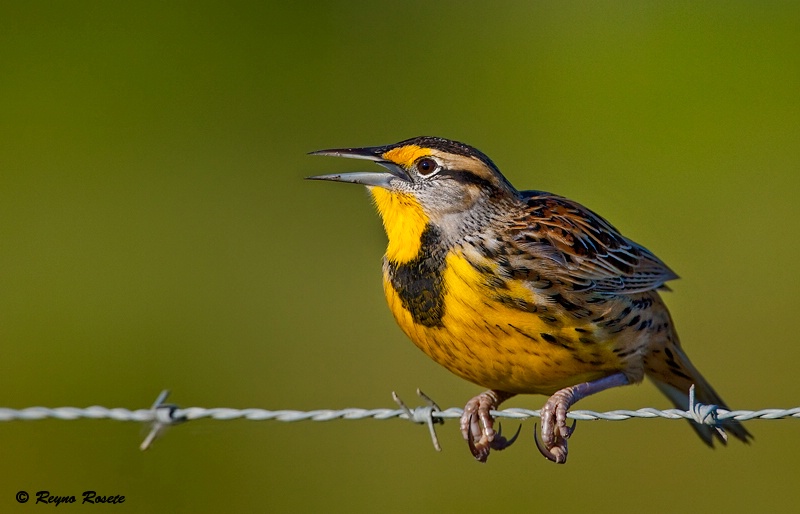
point(164, 415)
point(161, 415)
point(705, 414)
point(423, 415)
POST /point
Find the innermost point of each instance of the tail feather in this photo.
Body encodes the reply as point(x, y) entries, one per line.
point(675, 379)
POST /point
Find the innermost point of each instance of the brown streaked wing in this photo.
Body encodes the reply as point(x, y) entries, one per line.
point(591, 252)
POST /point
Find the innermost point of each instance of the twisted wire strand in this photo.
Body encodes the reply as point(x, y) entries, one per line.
point(162, 415)
point(255, 414)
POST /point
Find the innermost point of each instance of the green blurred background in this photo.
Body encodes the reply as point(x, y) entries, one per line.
point(155, 231)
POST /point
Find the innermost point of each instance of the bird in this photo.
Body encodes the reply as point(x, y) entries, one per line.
point(520, 292)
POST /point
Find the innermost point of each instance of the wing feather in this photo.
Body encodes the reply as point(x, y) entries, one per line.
point(590, 252)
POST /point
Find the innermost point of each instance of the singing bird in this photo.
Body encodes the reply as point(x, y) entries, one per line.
point(520, 292)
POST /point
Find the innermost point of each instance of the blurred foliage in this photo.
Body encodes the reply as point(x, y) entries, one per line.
point(155, 232)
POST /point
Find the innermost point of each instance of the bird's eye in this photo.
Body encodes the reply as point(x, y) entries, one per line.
point(426, 166)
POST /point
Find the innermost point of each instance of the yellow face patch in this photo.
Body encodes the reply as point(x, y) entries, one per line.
point(404, 221)
point(406, 155)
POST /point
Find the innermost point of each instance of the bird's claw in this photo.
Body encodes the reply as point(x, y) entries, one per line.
point(500, 442)
point(480, 449)
point(477, 426)
point(556, 450)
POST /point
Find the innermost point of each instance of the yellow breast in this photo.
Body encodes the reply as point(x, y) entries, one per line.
point(489, 339)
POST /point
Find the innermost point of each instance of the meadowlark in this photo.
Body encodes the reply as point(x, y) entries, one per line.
point(520, 291)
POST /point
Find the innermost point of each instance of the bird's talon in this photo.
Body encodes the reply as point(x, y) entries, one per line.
point(566, 432)
point(480, 450)
point(501, 443)
point(556, 453)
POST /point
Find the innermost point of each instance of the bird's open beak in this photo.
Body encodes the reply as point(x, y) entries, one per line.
point(373, 154)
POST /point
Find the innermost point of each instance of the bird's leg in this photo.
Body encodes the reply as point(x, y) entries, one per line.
point(477, 425)
point(555, 431)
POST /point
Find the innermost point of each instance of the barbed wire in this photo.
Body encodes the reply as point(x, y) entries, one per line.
point(162, 415)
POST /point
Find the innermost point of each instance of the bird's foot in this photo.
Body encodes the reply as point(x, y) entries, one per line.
point(477, 425)
point(555, 431)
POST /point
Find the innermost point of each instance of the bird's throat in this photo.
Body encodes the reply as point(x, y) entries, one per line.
point(404, 222)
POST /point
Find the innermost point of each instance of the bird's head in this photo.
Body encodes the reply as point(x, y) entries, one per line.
point(428, 180)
